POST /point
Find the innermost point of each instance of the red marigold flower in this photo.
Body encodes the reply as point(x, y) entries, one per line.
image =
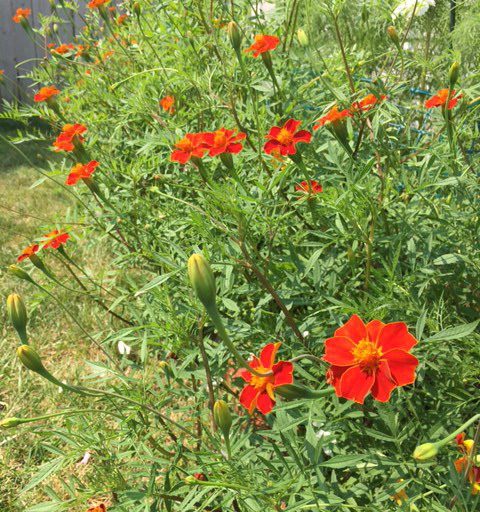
point(200, 476)
point(263, 44)
point(440, 99)
point(121, 19)
point(461, 464)
point(372, 358)
point(46, 93)
point(223, 141)
point(259, 392)
point(55, 239)
point(21, 14)
point(333, 116)
point(311, 188)
point(285, 138)
point(95, 4)
point(81, 172)
point(71, 135)
point(98, 508)
point(63, 49)
point(167, 104)
point(367, 103)
point(28, 252)
point(190, 146)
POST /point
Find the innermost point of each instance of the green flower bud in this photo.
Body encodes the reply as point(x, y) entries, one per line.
point(18, 315)
point(453, 74)
point(302, 37)
point(16, 271)
point(10, 422)
point(202, 279)
point(234, 35)
point(222, 417)
point(425, 451)
point(137, 9)
point(31, 359)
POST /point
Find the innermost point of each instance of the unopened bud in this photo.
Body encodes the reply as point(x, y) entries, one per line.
point(202, 279)
point(55, 28)
point(16, 271)
point(18, 315)
point(234, 35)
point(453, 74)
point(137, 9)
point(425, 451)
point(10, 422)
point(393, 35)
point(302, 37)
point(30, 359)
point(222, 417)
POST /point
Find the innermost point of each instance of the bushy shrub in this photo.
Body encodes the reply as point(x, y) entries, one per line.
point(323, 159)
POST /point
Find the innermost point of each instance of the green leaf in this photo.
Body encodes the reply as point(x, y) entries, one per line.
point(455, 333)
point(343, 461)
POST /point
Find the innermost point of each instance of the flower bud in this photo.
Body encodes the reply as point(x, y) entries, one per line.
point(137, 9)
point(16, 271)
point(202, 279)
point(30, 359)
point(10, 422)
point(453, 74)
point(222, 417)
point(18, 315)
point(234, 35)
point(425, 451)
point(393, 35)
point(55, 28)
point(302, 37)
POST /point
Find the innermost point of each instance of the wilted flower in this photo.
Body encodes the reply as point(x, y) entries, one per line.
point(72, 134)
point(223, 141)
point(21, 15)
point(46, 94)
point(190, 146)
point(28, 252)
point(372, 358)
point(81, 172)
point(263, 44)
point(284, 138)
point(440, 99)
point(259, 391)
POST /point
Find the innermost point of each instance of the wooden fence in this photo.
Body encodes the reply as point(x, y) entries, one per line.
point(18, 53)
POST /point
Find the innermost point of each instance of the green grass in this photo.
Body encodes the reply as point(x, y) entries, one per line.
point(25, 214)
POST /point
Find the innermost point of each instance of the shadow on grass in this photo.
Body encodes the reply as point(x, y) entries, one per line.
point(12, 154)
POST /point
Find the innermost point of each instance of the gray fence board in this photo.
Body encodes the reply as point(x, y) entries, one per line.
point(18, 54)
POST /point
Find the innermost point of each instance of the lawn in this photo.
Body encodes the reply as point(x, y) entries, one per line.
point(24, 206)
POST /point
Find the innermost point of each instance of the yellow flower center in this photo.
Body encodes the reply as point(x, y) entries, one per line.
point(285, 137)
point(261, 382)
point(367, 355)
point(219, 139)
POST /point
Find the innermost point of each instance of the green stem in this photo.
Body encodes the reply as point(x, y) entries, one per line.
point(217, 321)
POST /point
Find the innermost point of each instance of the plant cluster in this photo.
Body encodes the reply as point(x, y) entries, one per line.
point(293, 225)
